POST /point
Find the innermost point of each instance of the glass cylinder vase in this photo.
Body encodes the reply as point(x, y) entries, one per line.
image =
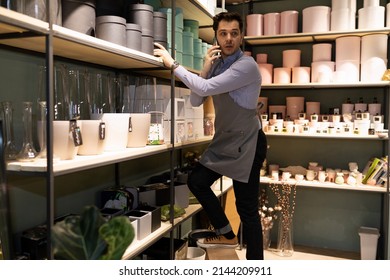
point(285, 245)
point(28, 152)
point(266, 238)
point(10, 149)
point(42, 129)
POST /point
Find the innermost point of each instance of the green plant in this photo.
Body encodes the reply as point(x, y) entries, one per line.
point(91, 237)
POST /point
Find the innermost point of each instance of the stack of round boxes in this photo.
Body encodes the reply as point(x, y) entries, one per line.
point(188, 47)
point(179, 26)
point(197, 55)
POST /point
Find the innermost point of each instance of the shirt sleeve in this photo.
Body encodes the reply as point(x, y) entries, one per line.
point(240, 74)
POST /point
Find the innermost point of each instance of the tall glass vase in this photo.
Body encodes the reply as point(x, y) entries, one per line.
point(10, 147)
point(42, 129)
point(266, 225)
point(28, 152)
point(285, 194)
point(285, 245)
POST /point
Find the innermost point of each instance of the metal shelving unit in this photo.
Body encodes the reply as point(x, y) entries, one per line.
point(28, 34)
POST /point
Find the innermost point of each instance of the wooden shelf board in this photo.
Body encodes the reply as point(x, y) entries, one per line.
point(327, 85)
point(324, 135)
point(326, 185)
point(80, 163)
point(310, 37)
point(11, 21)
point(75, 45)
point(138, 246)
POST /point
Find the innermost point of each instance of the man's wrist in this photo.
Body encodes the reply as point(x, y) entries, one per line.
point(174, 65)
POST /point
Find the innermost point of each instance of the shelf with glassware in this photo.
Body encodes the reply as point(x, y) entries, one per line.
point(83, 162)
point(79, 47)
point(220, 187)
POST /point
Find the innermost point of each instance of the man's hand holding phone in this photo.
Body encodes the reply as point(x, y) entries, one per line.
point(213, 53)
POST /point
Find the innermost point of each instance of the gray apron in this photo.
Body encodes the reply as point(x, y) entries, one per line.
point(233, 147)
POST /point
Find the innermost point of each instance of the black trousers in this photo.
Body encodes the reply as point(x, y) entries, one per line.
point(247, 200)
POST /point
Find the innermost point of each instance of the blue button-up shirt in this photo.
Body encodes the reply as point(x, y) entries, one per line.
point(241, 79)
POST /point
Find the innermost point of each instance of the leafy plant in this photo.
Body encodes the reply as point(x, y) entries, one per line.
point(177, 212)
point(91, 237)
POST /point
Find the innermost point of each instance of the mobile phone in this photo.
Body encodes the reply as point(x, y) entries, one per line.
point(215, 43)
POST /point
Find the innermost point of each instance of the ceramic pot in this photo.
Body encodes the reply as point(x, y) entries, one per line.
point(140, 125)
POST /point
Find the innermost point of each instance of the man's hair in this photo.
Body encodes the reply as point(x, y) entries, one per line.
point(227, 16)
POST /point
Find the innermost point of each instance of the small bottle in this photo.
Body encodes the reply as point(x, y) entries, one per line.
point(208, 127)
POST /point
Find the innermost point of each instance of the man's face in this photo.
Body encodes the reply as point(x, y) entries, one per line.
point(229, 37)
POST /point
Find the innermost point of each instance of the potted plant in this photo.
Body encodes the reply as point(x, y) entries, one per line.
point(89, 236)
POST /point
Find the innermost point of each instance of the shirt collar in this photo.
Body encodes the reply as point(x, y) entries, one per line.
point(222, 65)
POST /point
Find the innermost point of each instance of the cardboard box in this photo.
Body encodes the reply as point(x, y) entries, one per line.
point(221, 254)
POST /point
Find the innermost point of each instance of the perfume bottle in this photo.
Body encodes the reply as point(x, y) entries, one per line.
point(28, 152)
point(10, 147)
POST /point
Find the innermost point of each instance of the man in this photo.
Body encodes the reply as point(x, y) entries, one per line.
point(239, 146)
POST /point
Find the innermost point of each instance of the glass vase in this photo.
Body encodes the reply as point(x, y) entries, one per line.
point(285, 246)
point(28, 152)
point(267, 237)
point(42, 129)
point(10, 147)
